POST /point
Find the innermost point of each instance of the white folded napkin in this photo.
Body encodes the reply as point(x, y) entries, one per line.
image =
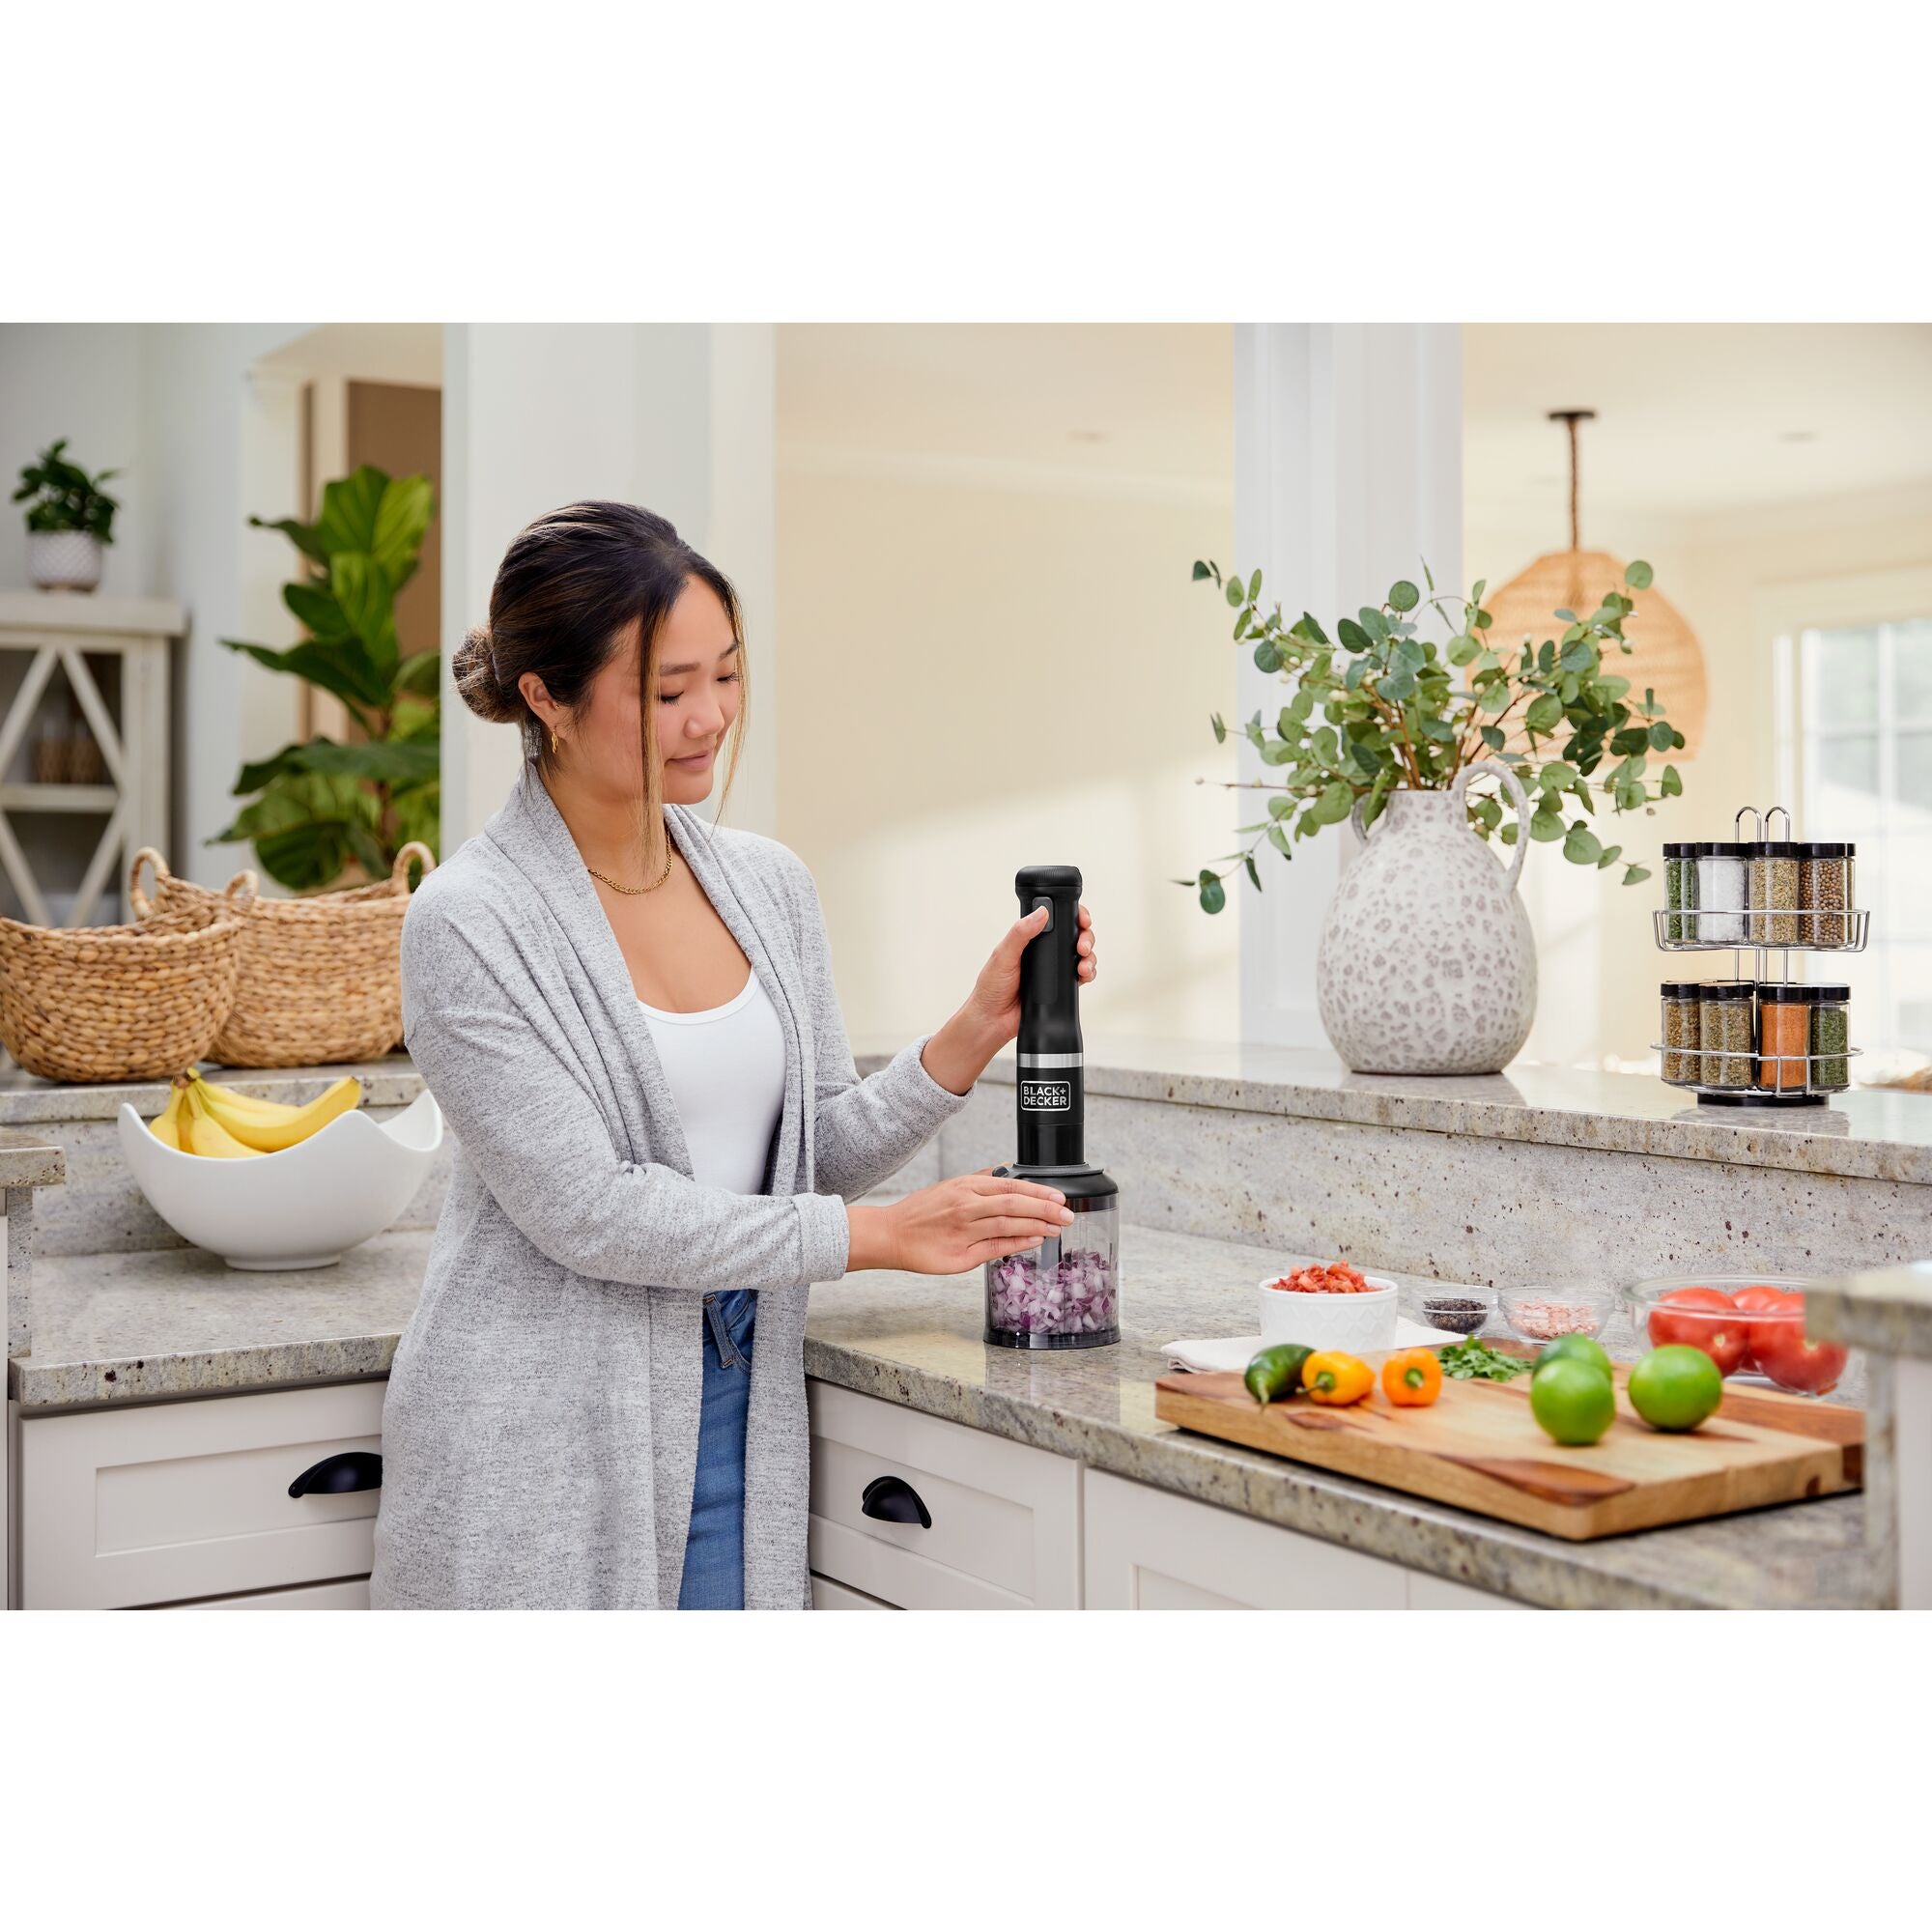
point(1233, 1353)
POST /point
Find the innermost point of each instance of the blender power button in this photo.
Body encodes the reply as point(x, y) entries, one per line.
point(1035, 906)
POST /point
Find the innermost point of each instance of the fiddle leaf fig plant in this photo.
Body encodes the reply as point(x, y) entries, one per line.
point(318, 806)
point(1379, 706)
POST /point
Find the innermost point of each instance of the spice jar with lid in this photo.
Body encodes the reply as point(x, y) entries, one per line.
point(1831, 1037)
point(1771, 891)
point(1719, 918)
point(1784, 1036)
point(1681, 1030)
point(1680, 891)
point(1725, 1029)
point(1824, 892)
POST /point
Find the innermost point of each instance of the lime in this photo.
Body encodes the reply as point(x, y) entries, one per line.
point(1576, 1348)
point(1574, 1401)
point(1676, 1387)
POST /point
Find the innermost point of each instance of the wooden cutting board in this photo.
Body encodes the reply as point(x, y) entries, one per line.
point(1480, 1448)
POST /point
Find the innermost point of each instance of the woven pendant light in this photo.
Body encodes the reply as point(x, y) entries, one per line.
point(1665, 655)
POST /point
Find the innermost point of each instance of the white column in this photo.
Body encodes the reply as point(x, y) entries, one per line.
point(1348, 474)
point(677, 417)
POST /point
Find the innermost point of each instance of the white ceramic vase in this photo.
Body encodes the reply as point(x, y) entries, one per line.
point(62, 559)
point(1427, 964)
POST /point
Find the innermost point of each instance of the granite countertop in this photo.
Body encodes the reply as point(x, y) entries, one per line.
point(29, 1160)
point(130, 1327)
point(25, 1098)
point(1888, 1309)
point(1871, 1133)
point(1868, 1133)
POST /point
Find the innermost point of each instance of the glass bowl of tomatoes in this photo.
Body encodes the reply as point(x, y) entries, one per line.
point(1752, 1325)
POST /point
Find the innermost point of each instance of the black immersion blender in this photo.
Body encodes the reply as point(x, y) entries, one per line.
point(1065, 1293)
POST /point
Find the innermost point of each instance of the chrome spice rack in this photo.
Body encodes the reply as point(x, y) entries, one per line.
point(1779, 1079)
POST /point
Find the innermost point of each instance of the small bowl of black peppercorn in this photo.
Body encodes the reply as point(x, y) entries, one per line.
point(1460, 1310)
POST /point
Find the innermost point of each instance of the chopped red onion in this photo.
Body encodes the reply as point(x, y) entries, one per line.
point(1075, 1296)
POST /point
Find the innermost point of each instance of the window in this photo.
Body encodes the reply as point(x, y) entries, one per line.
point(1859, 726)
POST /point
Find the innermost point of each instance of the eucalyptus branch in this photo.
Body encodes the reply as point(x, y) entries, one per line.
point(1380, 707)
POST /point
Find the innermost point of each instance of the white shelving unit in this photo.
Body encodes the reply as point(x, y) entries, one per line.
point(48, 636)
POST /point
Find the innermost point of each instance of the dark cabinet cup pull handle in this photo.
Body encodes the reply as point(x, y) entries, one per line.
point(893, 1499)
point(340, 1475)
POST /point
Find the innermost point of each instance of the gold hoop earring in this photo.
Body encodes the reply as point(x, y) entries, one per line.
point(553, 744)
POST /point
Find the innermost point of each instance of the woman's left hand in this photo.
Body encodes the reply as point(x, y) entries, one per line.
point(995, 1001)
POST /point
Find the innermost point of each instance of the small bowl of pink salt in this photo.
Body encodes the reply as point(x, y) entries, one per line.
point(1542, 1315)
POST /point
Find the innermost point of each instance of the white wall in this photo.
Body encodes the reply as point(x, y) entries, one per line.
point(987, 666)
point(673, 416)
point(82, 381)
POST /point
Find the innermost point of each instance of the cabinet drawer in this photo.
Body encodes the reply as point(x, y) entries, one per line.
point(351, 1594)
point(119, 1507)
point(826, 1595)
point(1006, 1519)
point(1148, 1549)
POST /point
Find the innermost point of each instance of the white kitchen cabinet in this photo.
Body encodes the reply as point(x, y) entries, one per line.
point(1148, 1549)
point(1005, 1518)
point(826, 1595)
point(178, 1500)
point(351, 1593)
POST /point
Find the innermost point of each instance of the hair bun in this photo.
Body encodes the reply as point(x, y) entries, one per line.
point(474, 668)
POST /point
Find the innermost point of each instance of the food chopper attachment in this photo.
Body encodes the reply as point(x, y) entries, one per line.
point(1065, 1293)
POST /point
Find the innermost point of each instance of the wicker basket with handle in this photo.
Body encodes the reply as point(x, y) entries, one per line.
point(320, 977)
point(100, 1003)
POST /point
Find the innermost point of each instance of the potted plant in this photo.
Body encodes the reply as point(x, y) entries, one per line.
point(70, 521)
point(319, 807)
point(1426, 963)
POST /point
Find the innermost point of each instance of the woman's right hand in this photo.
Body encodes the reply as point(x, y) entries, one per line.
point(958, 1224)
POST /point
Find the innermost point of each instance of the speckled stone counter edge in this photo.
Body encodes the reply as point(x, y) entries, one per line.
point(1889, 1310)
point(1785, 1142)
point(1482, 1553)
point(1745, 1142)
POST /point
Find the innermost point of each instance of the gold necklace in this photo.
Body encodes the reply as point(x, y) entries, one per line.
point(632, 892)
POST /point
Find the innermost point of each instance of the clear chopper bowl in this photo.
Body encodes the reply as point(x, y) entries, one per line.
point(1033, 1301)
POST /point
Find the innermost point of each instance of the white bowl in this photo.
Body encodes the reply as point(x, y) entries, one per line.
point(1360, 1323)
point(298, 1208)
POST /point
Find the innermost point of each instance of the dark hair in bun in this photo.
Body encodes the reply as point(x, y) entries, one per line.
point(476, 672)
point(569, 589)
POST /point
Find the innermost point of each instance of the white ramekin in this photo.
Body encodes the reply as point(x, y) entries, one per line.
point(1361, 1324)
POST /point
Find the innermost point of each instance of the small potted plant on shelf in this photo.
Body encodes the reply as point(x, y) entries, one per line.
point(69, 520)
point(1426, 963)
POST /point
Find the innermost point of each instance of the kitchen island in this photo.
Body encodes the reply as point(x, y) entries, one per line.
point(141, 1332)
point(147, 1357)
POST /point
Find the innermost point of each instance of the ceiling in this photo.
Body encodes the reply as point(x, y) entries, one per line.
point(1692, 420)
point(1149, 399)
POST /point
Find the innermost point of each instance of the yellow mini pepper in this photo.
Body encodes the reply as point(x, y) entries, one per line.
point(1336, 1378)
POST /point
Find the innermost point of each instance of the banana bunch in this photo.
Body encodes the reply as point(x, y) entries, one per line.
point(204, 1119)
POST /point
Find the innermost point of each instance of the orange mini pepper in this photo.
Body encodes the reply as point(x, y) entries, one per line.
point(1412, 1378)
point(1336, 1378)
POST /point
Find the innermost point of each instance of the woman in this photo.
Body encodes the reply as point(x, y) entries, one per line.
point(629, 1020)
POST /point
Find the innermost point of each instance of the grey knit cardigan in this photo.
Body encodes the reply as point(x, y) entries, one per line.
point(540, 1429)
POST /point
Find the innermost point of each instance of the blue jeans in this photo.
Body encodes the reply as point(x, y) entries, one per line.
point(714, 1553)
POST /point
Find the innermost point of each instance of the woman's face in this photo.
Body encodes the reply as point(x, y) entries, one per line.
point(698, 701)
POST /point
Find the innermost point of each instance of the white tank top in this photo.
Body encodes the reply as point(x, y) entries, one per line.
point(726, 1069)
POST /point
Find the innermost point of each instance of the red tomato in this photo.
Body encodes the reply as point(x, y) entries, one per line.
point(1756, 1301)
point(1698, 1315)
point(1793, 1360)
